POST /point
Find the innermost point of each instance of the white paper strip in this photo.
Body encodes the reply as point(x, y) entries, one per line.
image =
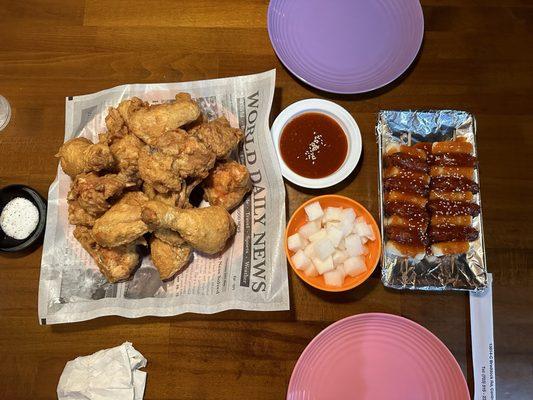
point(483, 343)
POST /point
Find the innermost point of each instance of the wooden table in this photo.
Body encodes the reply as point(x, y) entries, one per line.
point(477, 56)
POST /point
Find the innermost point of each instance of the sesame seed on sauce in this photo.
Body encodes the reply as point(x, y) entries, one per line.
point(313, 145)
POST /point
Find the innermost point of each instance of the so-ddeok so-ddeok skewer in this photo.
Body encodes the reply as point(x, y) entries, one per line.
point(429, 193)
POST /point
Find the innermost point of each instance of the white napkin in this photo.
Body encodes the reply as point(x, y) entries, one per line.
point(107, 374)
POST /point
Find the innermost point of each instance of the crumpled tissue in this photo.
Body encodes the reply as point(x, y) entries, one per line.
point(107, 374)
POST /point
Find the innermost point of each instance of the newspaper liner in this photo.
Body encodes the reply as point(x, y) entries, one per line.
point(250, 275)
point(462, 272)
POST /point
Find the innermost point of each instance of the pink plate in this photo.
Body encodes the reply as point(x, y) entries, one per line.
point(376, 356)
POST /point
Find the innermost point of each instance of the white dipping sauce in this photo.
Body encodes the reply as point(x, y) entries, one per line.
point(19, 218)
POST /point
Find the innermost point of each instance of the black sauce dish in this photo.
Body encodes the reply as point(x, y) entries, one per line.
point(8, 193)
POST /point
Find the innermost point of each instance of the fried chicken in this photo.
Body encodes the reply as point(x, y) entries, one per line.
point(148, 122)
point(168, 258)
point(191, 157)
point(205, 229)
point(155, 168)
point(170, 198)
point(93, 192)
point(80, 155)
point(116, 127)
point(122, 223)
point(219, 136)
point(184, 194)
point(78, 216)
point(165, 150)
point(125, 151)
point(227, 184)
point(116, 264)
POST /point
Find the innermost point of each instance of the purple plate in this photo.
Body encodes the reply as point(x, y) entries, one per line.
point(346, 46)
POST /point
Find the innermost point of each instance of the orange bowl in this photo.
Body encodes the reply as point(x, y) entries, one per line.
point(299, 218)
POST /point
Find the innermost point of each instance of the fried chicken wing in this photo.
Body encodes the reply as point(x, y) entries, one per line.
point(227, 184)
point(125, 151)
point(167, 258)
point(116, 264)
point(78, 216)
point(219, 136)
point(148, 122)
point(122, 223)
point(205, 229)
point(80, 155)
point(93, 192)
point(192, 158)
point(155, 168)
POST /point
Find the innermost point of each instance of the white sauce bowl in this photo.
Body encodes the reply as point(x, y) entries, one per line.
point(348, 125)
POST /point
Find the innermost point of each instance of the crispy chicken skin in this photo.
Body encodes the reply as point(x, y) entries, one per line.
point(122, 223)
point(148, 122)
point(205, 229)
point(93, 192)
point(80, 155)
point(169, 198)
point(168, 236)
point(125, 151)
point(78, 216)
point(192, 158)
point(155, 168)
point(167, 258)
point(219, 136)
point(227, 184)
point(116, 264)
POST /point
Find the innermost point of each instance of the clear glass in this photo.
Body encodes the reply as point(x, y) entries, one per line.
point(5, 112)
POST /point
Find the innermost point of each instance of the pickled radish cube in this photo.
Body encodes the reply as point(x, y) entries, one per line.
point(309, 251)
point(359, 228)
point(310, 271)
point(295, 242)
point(334, 224)
point(365, 250)
point(323, 266)
point(370, 233)
point(364, 230)
point(300, 260)
point(354, 266)
point(339, 257)
point(309, 229)
point(323, 248)
point(333, 278)
point(314, 211)
point(360, 220)
point(334, 235)
point(340, 268)
point(348, 214)
point(342, 245)
point(346, 226)
point(353, 244)
point(333, 214)
point(321, 234)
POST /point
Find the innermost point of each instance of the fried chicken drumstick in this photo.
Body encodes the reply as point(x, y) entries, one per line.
point(205, 229)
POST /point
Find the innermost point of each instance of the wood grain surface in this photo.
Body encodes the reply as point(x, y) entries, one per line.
point(477, 55)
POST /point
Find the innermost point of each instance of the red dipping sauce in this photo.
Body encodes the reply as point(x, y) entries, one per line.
point(313, 145)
